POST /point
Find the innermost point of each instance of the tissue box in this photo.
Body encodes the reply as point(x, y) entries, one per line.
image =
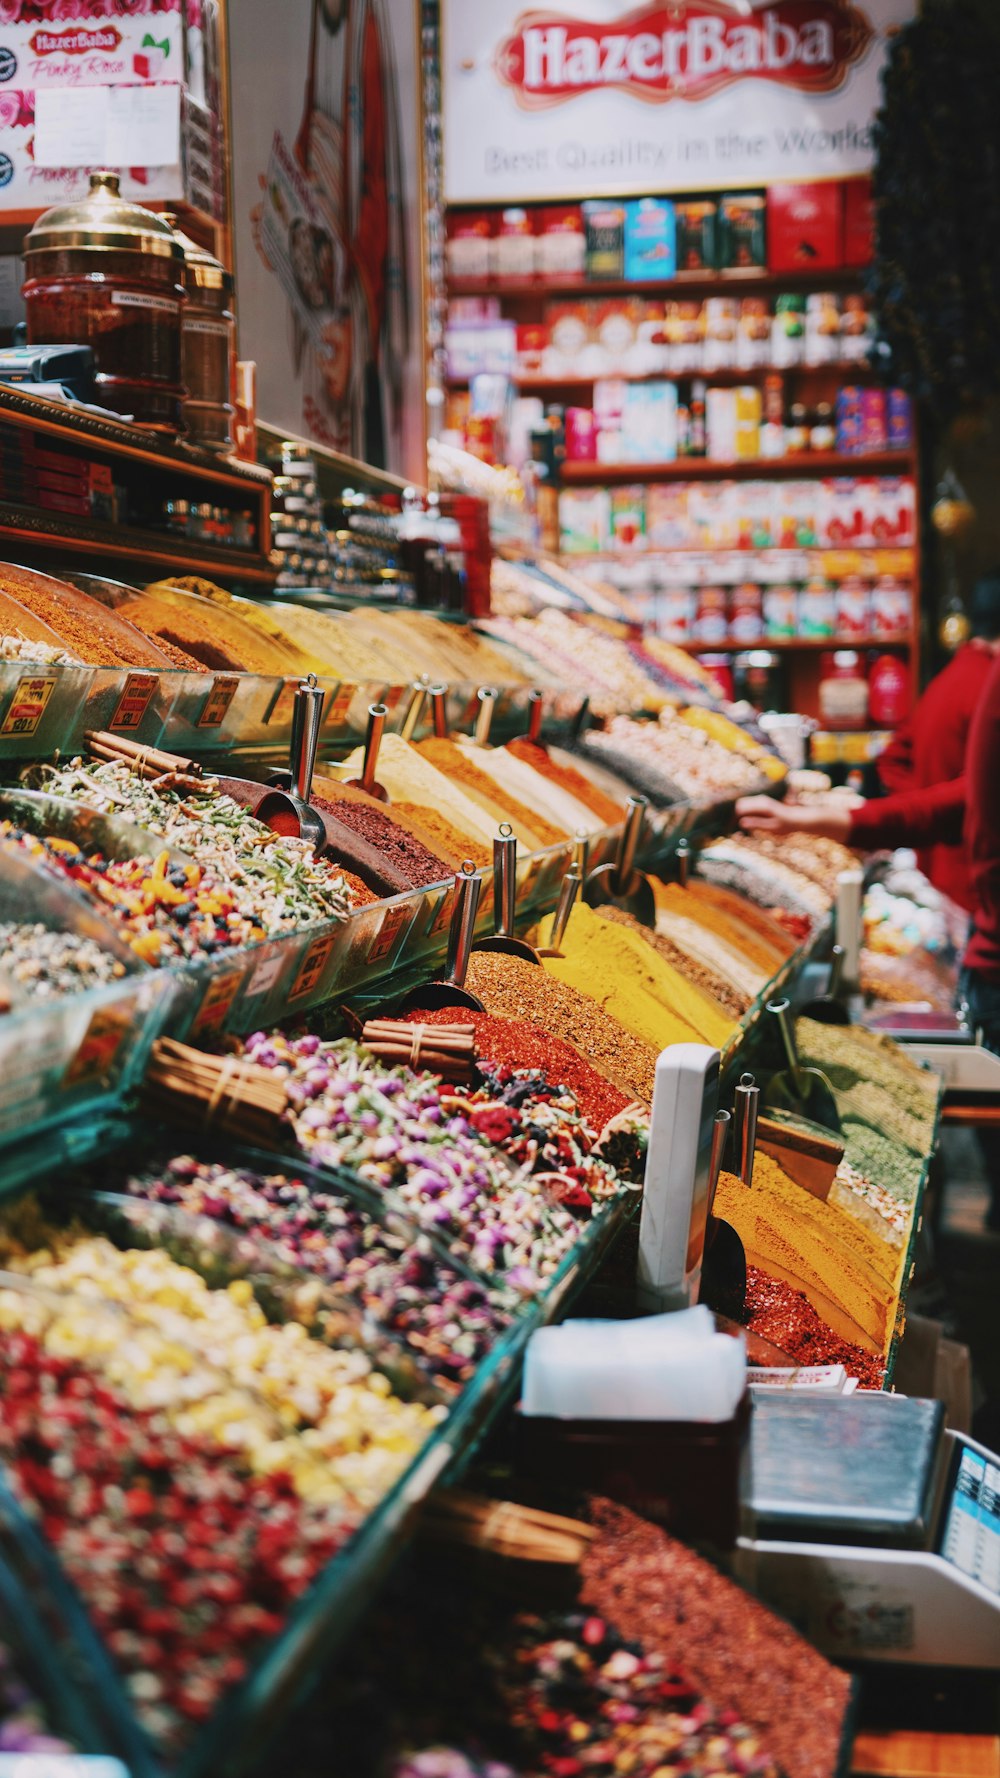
point(682, 1474)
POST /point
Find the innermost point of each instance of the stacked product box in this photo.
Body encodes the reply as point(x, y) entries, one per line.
point(135, 43)
point(848, 513)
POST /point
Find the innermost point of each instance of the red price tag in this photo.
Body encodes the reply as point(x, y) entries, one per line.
point(216, 705)
point(27, 706)
point(312, 966)
point(442, 919)
point(219, 996)
point(134, 701)
point(339, 709)
point(385, 938)
point(101, 1042)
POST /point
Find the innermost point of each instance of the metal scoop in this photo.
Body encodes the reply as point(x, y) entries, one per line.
point(289, 796)
point(487, 695)
point(620, 884)
point(448, 990)
point(564, 907)
point(803, 1090)
point(367, 782)
point(439, 711)
point(827, 1008)
point(724, 1262)
point(536, 710)
point(745, 1126)
point(505, 901)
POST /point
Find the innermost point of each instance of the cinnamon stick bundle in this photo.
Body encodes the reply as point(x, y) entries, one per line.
point(225, 1093)
point(448, 1050)
point(505, 1529)
point(146, 762)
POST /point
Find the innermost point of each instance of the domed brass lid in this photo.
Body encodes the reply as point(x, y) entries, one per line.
point(104, 222)
point(201, 269)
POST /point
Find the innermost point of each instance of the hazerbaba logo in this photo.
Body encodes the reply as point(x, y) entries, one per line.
point(687, 49)
point(76, 40)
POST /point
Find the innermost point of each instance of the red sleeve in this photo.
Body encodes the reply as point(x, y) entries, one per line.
point(371, 241)
point(894, 764)
point(912, 818)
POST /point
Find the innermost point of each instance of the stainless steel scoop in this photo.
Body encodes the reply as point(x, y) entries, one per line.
point(620, 884)
point(803, 1090)
point(505, 901)
point(367, 782)
point(448, 990)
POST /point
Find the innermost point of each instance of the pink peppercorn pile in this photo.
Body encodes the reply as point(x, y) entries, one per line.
point(185, 1560)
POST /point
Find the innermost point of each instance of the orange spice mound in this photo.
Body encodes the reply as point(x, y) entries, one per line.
point(438, 833)
point(567, 778)
point(456, 764)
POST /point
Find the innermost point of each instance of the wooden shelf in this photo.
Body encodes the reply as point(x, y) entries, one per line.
point(792, 644)
point(531, 384)
point(127, 546)
point(685, 469)
point(684, 284)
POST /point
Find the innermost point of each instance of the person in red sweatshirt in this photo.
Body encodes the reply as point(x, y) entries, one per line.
point(964, 811)
point(929, 748)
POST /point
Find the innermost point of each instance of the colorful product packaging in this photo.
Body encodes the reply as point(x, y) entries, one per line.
point(696, 234)
point(561, 244)
point(650, 239)
point(748, 410)
point(853, 608)
point(78, 49)
point(514, 245)
point(899, 420)
point(628, 518)
point(668, 521)
point(859, 222)
point(468, 249)
point(781, 611)
point(740, 231)
point(581, 435)
point(891, 607)
point(584, 520)
point(649, 423)
point(805, 226)
point(604, 227)
point(817, 609)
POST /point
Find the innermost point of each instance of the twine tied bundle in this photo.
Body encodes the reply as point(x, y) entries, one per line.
point(505, 1528)
point(447, 1050)
point(166, 770)
point(230, 1094)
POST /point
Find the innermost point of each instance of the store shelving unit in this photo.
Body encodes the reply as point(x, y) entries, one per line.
point(686, 469)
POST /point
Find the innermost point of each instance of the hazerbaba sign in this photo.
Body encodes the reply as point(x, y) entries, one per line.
point(691, 94)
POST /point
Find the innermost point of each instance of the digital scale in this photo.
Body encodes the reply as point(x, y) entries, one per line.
point(873, 1529)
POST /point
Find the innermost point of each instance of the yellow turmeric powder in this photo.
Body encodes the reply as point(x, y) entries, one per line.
point(620, 970)
point(849, 1274)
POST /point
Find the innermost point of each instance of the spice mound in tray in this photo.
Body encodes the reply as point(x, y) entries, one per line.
point(39, 963)
point(402, 848)
point(88, 630)
point(786, 1319)
point(744, 1657)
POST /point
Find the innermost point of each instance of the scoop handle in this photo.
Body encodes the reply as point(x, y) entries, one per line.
point(307, 719)
point(836, 972)
point(536, 707)
point(720, 1131)
point(780, 1010)
point(628, 843)
point(487, 696)
point(683, 856)
point(439, 712)
point(377, 714)
point(468, 887)
point(564, 906)
point(747, 1104)
point(414, 709)
point(504, 881)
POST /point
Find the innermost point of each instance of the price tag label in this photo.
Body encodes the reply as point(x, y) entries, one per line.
point(313, 964)
point(219, 996)
point(27, 706)
point(102, 1040)
point(216, 705)
point(265, 975)
point(383, 943)
point(442, 919)
point(134, 701)
point(338, 709)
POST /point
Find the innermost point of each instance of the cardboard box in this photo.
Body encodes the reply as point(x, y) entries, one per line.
point(696, 234)
point(604, 225)
point(650, 239)
point(740, 231)
point(859, 222)
point(805, 226)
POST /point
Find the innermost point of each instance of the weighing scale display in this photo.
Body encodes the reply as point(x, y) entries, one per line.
point(971, 1539)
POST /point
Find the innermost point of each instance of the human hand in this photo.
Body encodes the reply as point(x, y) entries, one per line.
point(762, 814)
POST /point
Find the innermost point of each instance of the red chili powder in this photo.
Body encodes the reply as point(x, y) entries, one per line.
point(787, 1318)
point(525, 1046)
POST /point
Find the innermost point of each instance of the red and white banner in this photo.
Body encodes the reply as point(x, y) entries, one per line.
point(592, 97)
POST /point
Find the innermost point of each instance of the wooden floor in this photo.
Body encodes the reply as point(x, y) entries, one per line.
point(912, 1754)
